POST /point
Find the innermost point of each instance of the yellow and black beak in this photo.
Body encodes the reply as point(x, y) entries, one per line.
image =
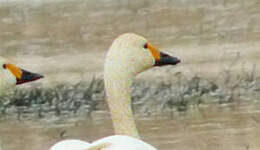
point(22, 76)
point(27, 77)
point(162, 59)
point(166, 59)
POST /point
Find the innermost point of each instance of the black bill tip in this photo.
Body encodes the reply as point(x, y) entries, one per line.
point(166, 59)
point(28, 77)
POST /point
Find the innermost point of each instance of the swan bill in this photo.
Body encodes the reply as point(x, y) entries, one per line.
point(166, 59)
point(27, 76)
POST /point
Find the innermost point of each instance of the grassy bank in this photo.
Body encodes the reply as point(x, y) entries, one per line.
point(176, 93)
point(72, 37)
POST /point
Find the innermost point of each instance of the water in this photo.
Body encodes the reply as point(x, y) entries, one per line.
point(233, 127)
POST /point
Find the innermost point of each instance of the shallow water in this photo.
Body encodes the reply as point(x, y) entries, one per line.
point(233, 127)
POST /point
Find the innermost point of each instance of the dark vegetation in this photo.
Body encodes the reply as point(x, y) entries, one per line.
point(177, 93)
point(46, 28)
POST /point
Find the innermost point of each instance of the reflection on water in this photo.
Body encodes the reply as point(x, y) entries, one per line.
point(211, 128)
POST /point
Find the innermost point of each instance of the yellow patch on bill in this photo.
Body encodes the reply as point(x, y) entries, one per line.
point(17, 72)
point(154, 51)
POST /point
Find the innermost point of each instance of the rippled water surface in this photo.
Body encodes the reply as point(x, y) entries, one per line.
point(234, 127)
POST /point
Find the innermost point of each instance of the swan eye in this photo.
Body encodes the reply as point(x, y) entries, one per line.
point(4, 66)
point(146, 45)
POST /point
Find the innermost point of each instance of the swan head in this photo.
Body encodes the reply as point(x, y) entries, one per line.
point(132, 53)
point(128, 55)
point(10, 74)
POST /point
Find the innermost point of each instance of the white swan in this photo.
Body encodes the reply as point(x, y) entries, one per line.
point(129, 55)
point(11, 75)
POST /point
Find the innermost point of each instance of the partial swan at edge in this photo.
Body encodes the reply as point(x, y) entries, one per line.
point(11, 75)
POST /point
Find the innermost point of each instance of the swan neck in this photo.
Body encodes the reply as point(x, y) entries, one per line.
point(118, 90)
point(5, 86)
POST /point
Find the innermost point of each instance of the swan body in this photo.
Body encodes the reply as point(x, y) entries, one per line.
point(114, 142)
point(129, 55)
point(120, 142)
point(70, 145)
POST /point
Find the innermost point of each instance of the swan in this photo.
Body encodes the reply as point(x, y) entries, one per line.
point(128, 55)
point(11, 75)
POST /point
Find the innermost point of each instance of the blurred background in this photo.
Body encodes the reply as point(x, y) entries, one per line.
point(203, 33)
point(213, 93)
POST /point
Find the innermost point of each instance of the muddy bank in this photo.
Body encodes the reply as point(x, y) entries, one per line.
point(233, 127)
point(50, 27)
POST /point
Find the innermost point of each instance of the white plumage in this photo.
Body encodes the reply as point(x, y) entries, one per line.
point(129, 55)
point(11, 75)
point(7, 79)
point(71, 145)
point(115, 142)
